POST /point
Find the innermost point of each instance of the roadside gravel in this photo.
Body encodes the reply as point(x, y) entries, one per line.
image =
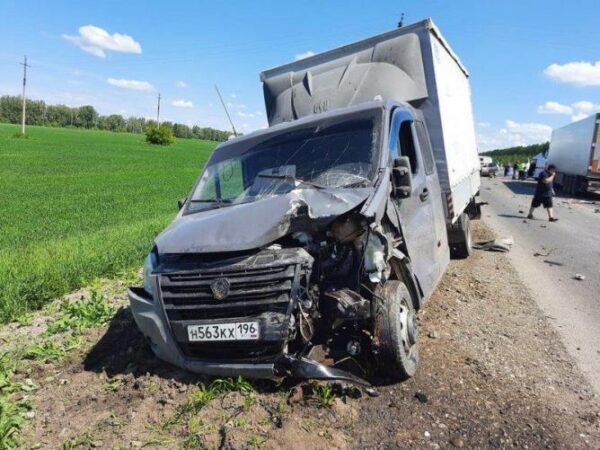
point(493, 374)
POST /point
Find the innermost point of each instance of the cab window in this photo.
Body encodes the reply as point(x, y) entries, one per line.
point(406, 145)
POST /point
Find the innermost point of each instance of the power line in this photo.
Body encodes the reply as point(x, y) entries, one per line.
point(25, 66)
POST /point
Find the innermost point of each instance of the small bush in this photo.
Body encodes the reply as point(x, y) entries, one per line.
point(159, 135)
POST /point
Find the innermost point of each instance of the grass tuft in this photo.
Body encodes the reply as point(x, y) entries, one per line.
point(324, 393)
point(80, 315)
point(46, 351)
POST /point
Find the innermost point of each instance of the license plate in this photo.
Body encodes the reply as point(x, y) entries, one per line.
point(238, 331)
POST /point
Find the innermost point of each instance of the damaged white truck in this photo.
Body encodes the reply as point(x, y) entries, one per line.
point(306, 249)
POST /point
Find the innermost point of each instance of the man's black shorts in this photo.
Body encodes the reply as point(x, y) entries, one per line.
point(537, 201)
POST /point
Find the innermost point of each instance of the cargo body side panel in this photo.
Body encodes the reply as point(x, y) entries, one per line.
point(571, 147)
point(456, 155)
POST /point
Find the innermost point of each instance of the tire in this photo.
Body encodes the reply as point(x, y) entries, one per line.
point(461, 243)
point(396, 332)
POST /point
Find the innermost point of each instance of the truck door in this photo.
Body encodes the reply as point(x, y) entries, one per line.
point(417, 211)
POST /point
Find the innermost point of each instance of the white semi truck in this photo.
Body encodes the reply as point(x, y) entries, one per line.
point(328, 231)
point(575, 151)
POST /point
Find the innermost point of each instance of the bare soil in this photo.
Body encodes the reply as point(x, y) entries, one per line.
point(493, 373)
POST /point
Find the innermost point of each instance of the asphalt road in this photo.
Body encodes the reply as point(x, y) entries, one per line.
point(549, 255)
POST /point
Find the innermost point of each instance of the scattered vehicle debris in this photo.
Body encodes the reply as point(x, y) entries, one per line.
point(503, 244)
point(328, 231)
point(548, 253)
point(579, 276)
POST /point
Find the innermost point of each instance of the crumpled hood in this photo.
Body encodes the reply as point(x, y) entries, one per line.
point(254, 225)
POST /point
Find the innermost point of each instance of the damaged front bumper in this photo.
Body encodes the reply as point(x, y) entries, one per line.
point(151, 321)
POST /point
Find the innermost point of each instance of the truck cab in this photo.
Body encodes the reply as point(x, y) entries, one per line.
point(317, 239)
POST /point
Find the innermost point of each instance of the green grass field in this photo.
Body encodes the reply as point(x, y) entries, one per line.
point(78, 204)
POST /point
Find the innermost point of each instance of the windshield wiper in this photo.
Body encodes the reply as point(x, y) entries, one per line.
point(291, 177)
point(218, 201)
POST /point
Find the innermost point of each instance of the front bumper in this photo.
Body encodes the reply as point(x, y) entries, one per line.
point(150, 319)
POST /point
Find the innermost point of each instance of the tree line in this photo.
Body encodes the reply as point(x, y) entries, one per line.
point(521, 153)
point(39, 113)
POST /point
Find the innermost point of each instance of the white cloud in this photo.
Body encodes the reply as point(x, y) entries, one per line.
point(306, 54)
point(554, 108)
point(182, 104)
point(97, 41)
point(236, 105)
point(578, 73)
point(181, 84)
point(233, 95)
point(514, 134)
point(586, 107)
point(246, 115)
point(577, 111)
point(529, 132)
point(136, 85)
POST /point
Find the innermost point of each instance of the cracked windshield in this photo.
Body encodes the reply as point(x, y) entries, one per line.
point(339, 156)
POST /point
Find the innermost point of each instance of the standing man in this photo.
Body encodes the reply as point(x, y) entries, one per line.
point(521, 171)
point(515, 170)
point(544, 192)
point(506, 168)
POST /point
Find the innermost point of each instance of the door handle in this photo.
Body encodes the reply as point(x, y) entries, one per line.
point(424, 195)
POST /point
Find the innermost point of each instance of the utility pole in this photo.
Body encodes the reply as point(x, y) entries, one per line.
point(25, 66)
point(158, 112)
point(226, 111)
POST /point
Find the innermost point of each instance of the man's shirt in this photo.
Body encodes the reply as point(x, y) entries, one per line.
point(543, 189)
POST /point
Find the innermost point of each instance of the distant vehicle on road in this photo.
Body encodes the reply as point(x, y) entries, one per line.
point(489, 169)
point(574, 150)
point(538, 164)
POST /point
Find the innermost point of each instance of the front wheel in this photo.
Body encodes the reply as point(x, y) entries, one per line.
point(396, 332)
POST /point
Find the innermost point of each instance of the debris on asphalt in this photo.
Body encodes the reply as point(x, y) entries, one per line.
point(553, 263)
point(579, 276)
point(421, 397)
point(502, 244)
point(433, 334)
point(544, 254)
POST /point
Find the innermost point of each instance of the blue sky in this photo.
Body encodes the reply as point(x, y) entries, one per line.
point(534, 64)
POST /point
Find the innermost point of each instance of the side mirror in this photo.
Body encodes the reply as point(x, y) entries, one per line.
point(402, 177)
point(181, 202)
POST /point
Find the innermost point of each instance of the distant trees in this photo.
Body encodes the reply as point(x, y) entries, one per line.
point(517, 154)
point(38, 113)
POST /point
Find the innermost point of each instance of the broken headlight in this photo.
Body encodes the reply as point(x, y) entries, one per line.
point(149, 267)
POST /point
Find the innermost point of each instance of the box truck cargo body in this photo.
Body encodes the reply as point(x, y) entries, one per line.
point(318, 239)
point(575, 151)
point(413, 65)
